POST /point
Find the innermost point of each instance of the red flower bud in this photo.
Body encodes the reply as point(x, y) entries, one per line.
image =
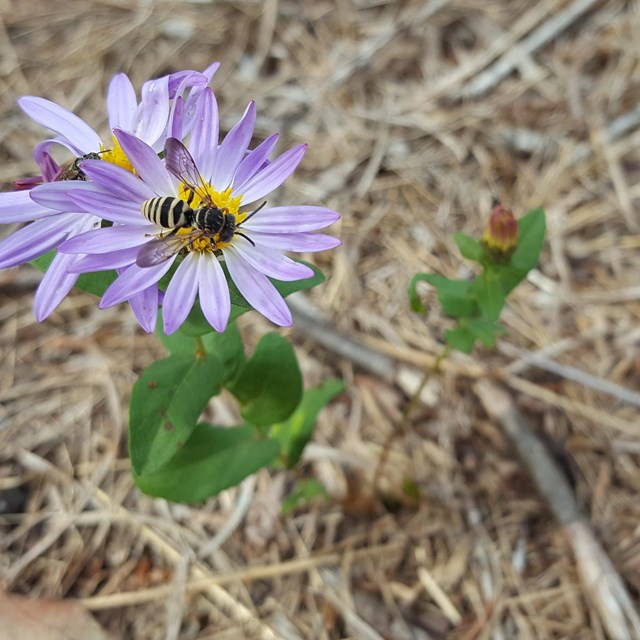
point(501, 233)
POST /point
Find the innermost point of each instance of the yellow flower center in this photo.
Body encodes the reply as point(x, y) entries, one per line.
point(206, 195)
point(115, 155)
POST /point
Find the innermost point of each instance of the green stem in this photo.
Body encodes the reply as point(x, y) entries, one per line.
point(400, 427)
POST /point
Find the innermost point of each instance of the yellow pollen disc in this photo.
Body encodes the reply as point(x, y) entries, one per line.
point(220, 199)
point(115, 155)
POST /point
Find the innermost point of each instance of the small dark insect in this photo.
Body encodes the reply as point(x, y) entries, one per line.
point(71, 170)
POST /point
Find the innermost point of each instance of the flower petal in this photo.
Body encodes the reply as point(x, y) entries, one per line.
point(204, 135)
point(55, 285)
point(117, 181)
point(272, 176)
point(175, 127)
point(233, 148)
point(110, 208)
point(55, 195)
point(105, 261)
point(180, 294)
point(153, 112)
point(215, 300)
point(258, 290)
point(17, 206)
point(58, 119)
point(132, 281)
point(146, 162)
point(180, 81)
point(106, 240)
point(121, 102)
point(271, 262)
point(254, 160)
point(291, 219)
point(32, 241)
point(145, 308)
point(295, 241)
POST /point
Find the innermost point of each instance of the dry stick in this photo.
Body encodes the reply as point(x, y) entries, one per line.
point(555, 25)
point(603, 583)
point(571, 373)
point(250, 574)
point(220, 598)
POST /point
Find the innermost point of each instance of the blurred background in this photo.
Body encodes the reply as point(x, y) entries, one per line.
point(419, 116)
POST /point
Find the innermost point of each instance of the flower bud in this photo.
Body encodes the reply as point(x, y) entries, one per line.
point(500, 236)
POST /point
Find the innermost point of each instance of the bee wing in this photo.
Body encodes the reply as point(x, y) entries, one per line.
point(181, 164)
point(160, 249)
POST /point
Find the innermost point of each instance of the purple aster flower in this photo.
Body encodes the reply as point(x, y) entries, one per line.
point(153, 118)
point(223, 179)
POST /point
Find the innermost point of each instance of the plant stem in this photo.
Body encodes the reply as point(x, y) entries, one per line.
point(400, 426)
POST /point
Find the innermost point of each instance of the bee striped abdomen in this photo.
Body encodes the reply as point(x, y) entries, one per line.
point(167, 212)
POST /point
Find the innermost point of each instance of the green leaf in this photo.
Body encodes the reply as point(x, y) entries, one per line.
point(229, 348)
point(414, 299)
point(469, 247)
point(486, 331)
point(294, 433)
point(303, 492)
point(269, 385)
point(531, 231)
point(95, 283)
point(455, 296)
point(211, 460)
point(488, 290)
point(461, 338)
point(166, 402)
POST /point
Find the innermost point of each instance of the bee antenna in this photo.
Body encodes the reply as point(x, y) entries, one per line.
point(239, 233)
point(253, 213)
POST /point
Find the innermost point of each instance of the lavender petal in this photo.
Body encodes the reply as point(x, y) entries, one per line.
point(58, 119)
point(132, 281)
point(146, 162)
point(292, 219)
point(55, 285)
point(272, 176)
point(254, 160)
point(180, 294)
point(258, 290)
point(233, 148)
point(295, 241)
point(121, 102)
point(215, 300)
point(271, 262)
point(204, 135)
point(17, 206)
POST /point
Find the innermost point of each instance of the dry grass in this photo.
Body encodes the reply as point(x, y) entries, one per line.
point(418, 115)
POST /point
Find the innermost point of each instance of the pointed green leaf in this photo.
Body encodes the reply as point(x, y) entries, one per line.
point(460, 338)
point(531, 231)
point(211, 460)
point(294, 433)
point(488, 291)
point(269, 385)
point(469, 247)
point(304, 491)
point(166, 402)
